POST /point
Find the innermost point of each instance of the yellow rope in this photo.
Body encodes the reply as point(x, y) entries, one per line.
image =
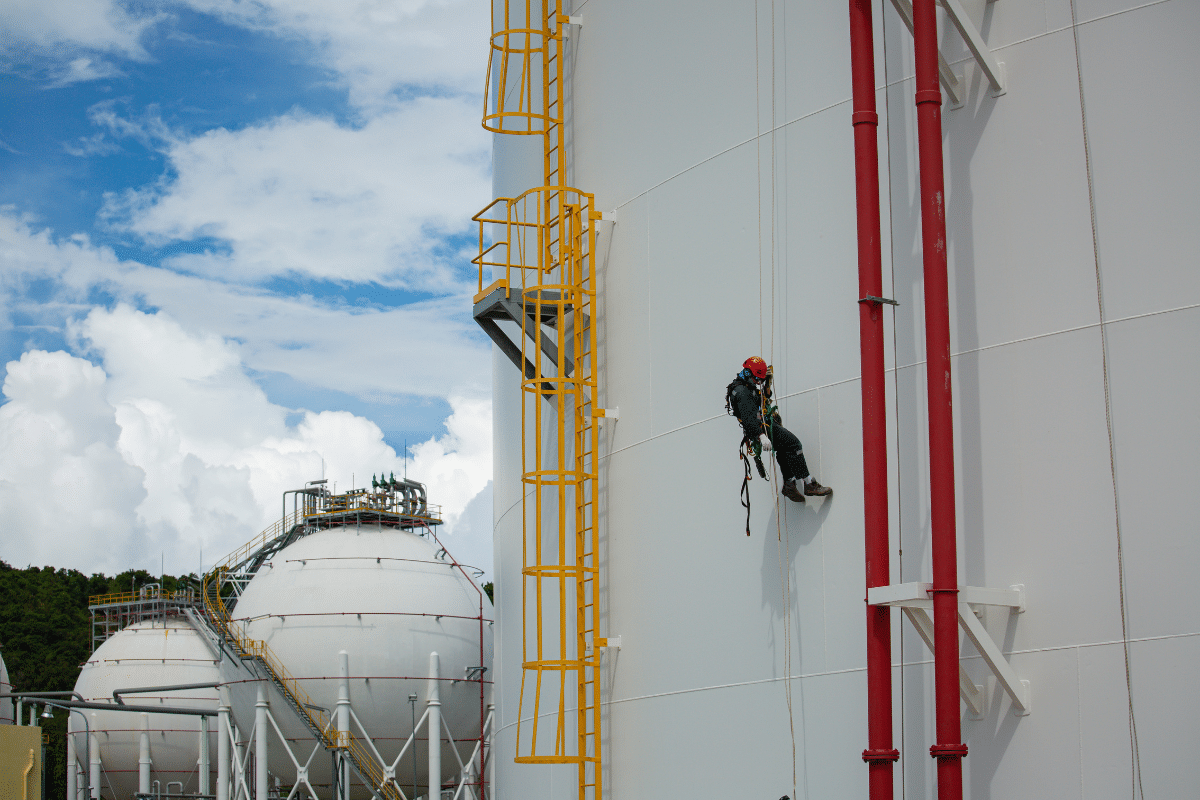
point(785, 578)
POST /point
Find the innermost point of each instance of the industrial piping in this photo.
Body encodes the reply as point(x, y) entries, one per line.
point(880, 755)
point(949, 750)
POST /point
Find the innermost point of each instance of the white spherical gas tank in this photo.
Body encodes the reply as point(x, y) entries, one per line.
point(388, 598)
point(159, 653)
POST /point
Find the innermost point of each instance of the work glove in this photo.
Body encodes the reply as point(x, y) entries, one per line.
point(766, 443)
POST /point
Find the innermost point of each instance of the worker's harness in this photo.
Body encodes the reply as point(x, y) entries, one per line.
point(752, 448)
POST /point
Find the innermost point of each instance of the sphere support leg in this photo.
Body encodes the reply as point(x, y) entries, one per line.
point(223, 753)
point(435, 731)
point(343, 725)
point(144, 756)
point(260, 743)
point(72, 775)
point(204, 764)
point(94, 761)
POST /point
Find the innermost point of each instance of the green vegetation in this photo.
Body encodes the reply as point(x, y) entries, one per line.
point(46, 635)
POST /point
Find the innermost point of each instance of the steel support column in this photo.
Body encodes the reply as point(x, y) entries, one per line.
point(94, 761)
point(223, 750)
point(72, 766)
point(204, 760)
point(343, 725)
point(435, 730)
point(144, 755)
point(260, 743)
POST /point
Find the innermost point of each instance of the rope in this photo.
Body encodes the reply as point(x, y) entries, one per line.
point(785, 580)
point(1135, 763)
point(758, 174)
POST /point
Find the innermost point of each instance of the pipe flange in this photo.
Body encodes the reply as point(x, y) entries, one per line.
point(880, 755)
point(948, 751)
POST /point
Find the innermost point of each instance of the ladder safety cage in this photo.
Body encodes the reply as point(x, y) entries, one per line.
point(539, 249)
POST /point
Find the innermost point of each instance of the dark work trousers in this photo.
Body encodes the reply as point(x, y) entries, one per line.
point(788, 452)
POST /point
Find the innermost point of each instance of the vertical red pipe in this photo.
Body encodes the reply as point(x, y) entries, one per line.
point(949, 750)
point(879, 755)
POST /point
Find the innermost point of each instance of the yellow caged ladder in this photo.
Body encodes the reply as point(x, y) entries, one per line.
point(542, 252)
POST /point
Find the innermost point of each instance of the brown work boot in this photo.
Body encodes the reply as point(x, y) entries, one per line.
point(792, 492)
point(814, 489)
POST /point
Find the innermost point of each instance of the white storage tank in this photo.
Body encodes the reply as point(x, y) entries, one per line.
point(388, 598)
point(718, 141)
point(160, 653)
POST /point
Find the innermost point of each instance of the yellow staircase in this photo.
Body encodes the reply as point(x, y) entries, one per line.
point(543, 245)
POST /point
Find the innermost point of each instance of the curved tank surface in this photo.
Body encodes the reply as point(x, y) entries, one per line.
point(6, 704)
point(388, 598)
point(718, 141)
point(160, 653)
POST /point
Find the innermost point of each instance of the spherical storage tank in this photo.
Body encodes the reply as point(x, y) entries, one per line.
point(388, 598)
point(159, 653)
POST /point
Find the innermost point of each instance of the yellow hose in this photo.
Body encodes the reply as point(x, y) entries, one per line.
point(25, 777)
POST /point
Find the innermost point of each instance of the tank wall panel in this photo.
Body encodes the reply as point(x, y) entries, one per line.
point(1157, 465)
point(663, 129)
point(1145, 161)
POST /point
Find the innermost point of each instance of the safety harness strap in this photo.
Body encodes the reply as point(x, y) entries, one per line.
point(745, 497)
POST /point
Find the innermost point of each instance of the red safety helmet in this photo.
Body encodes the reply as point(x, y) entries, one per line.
point(757, 367)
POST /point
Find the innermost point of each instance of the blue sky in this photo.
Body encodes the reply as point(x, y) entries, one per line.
point(234, 243)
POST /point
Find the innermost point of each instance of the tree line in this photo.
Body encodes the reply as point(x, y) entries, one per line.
point(46, 636)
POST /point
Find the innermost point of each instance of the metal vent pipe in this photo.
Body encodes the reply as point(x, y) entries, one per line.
point(879, 755)
point(949, 750)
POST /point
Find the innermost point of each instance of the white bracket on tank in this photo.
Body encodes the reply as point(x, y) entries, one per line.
point(914, 599)
point(951, 82)
point(602, 643)
point(608, 413)
point(565, 22)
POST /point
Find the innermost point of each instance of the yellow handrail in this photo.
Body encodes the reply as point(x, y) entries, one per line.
point(133, 597)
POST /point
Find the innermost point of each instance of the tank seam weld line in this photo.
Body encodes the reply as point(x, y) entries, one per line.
point(1035, 336)
point(910, 366)
point(733, 147)
point(507, 511)
point(850, 670)
point(760, 682)
point(1063, 647)
point(1068, 27)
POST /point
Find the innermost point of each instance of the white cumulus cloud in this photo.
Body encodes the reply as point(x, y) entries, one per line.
point(427, 348)
point(65, 27)
point(305, 196)
point(167, 446)
point(378, 46)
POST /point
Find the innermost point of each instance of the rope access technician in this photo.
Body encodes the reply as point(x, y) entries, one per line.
point(749, 399)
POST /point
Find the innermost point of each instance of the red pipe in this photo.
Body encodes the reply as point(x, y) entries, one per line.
point(879, 755)
point(949, 750)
